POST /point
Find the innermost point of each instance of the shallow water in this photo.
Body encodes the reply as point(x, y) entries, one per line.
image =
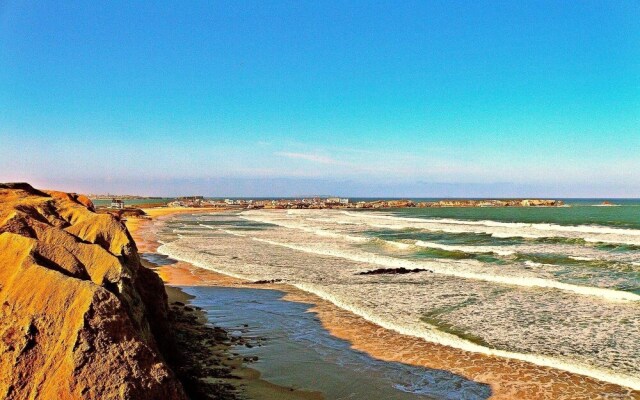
point(299, 352)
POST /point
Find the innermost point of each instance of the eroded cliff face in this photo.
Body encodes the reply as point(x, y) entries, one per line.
point(80, 318)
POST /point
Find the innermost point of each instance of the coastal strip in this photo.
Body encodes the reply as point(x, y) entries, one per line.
point(321, 203)
point(508, 378)
point(83, 316)
point(208, 360)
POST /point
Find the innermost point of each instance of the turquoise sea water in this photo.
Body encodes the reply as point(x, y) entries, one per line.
point(625, 213)
point(580, 214)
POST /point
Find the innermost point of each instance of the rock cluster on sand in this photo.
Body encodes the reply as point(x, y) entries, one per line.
point(393, 271)
point(80, 318)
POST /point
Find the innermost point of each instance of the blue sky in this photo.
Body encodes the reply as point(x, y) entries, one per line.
point(426, 98)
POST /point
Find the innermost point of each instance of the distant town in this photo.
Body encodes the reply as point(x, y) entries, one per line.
point(338, 203)
point(120, 197)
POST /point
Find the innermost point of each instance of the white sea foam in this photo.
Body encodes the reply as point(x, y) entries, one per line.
point(435, 336)
point(326, 224)
point(571, 251)
point(538, 226)
point(426, 331)
point(227, 231)
point(577, 258)
point(399, 245)
point(305, 228)
point(233, 233)
point(507, 235)
point(534, 264)
point(450, 270)
point(466, 249)
point(325, 261)
point(590, 233)
point(176, 254)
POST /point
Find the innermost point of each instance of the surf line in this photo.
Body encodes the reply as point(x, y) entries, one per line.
point(589, 233)
point(608, 294)
point(445, 339)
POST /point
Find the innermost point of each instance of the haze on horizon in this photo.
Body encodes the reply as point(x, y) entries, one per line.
point(286, 98)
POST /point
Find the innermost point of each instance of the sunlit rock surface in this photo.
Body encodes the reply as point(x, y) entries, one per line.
point(80, 318)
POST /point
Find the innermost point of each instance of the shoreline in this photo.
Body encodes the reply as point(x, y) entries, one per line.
point(337, 203)
point(210, 366)
point(508, 378)
point(222, 373)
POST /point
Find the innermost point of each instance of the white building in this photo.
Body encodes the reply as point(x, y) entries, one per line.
point(337, 200)
point(117, 204)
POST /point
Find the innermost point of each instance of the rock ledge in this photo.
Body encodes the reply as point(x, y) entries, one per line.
point(80, 317)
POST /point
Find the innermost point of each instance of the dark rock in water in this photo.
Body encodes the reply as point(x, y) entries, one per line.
point(265, 282)
point(393, 271)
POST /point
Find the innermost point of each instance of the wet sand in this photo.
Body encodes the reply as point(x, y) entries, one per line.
point(208, 367)
point(508, 379)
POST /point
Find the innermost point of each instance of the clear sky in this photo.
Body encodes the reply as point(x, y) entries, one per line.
point(397, 98)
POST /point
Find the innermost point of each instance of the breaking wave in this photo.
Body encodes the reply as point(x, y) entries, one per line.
point(322, 252)
point(447, 269)
point(589, 233)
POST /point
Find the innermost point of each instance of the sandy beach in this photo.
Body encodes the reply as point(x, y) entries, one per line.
point(508, 379)
point(243, 379)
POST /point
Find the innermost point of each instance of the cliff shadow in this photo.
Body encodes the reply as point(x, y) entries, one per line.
point(295, 349)
point(159, 260)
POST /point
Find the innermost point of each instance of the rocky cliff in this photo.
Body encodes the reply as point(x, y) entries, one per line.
point(80, 318)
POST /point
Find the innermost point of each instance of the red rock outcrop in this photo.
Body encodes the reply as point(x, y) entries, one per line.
point(80, 318)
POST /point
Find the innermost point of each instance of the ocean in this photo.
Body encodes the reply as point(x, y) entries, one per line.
point(556, 287)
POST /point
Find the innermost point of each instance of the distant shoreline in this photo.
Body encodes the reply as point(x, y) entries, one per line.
point(345, 203)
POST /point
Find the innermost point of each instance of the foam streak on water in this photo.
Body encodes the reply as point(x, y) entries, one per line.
point(441, 268)
point(435, 336)
point(466, 249)
point(502, 229)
